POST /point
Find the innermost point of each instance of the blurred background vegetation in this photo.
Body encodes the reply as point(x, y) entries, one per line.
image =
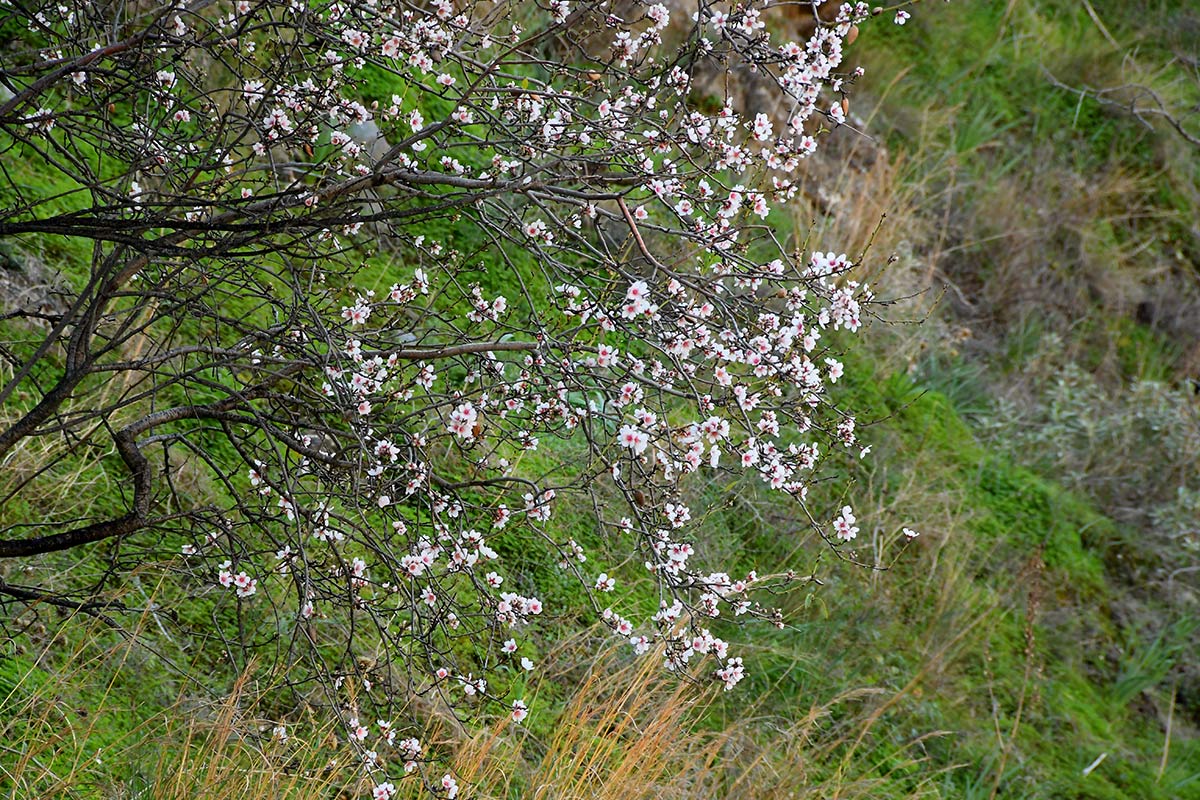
point(1033, 389)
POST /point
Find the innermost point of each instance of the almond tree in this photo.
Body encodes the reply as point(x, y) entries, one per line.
point(359, 296)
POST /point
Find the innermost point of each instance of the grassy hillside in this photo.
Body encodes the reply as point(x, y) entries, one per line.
point(1034, 417)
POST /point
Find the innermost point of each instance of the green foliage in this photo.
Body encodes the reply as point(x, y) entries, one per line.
point(993, 662)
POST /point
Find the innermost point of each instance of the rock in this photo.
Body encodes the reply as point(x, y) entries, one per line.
point(370, 137)
point(28, 286)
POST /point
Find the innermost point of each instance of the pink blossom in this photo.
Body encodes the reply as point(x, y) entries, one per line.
point(633, 438)
point(462, 421)
point(843, 526)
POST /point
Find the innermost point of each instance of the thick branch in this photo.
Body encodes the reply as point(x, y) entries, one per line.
point(465, 349)
point(45, 408)
point(136, 519)
point(139, 467)
point(35, 596)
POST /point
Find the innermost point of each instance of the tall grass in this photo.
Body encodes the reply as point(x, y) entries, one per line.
point(627, 730)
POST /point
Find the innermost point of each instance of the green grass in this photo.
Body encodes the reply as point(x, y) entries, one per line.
point(993, 661)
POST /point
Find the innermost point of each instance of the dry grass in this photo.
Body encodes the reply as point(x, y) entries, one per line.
point(629, 731)
point(624, 734)
point(70, 729)
point(231, 757)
